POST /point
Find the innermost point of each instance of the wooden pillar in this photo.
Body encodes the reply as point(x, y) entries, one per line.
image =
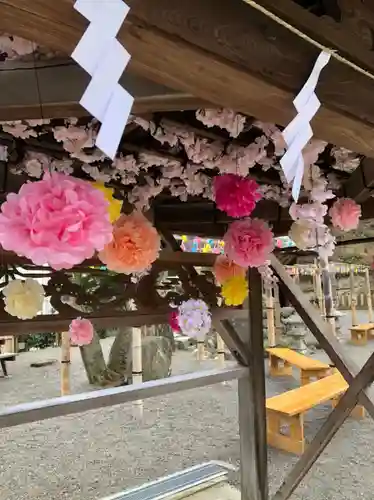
point(319, 293)
point(368, 295)
point(353, 296)
point(220, 351)
point(252, 412)
point(270, 313)
point(65, 363)
point(328, 297)
point(200, 353)
point(277, 315)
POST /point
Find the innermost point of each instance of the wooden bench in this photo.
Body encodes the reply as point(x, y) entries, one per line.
point(282, 359)
point(287, 411)
point(9, 356)
point(360, 333)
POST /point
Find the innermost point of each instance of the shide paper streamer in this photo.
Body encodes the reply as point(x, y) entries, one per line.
point(299, 132)
point(104, 58)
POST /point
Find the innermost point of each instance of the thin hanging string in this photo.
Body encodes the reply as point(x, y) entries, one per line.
point(308, 39)
point(40, 102)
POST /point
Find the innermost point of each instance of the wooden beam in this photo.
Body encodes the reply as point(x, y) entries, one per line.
point(53, 89)
point(113, 319)
point(263, 75)
point(252, 412)
point(347, 367)
point(77, 403)
point(360, 185)
point(328, 430)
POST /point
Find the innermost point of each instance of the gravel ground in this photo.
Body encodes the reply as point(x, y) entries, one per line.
point(91, 455)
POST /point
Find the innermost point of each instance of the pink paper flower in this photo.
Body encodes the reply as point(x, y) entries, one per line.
point(249, 242)
point(345, 214)
point(59, 221)
point(224, 269)
point(81, 331)
point(173, 321)
point(236, 195)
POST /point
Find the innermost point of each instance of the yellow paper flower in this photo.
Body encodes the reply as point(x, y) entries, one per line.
point(23, 299)
point(235, 290)
point(114, 208)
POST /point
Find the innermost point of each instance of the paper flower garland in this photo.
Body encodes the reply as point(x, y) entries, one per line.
point(224, 268)
point(345, 214)
point(81, 331)
point(236, 195)
point(249, 242)
point(173, 321)
point(59, 220)
point(194, 318)
point(23, 299)
point(134, 247)
point(235, 290)
point(114, 205)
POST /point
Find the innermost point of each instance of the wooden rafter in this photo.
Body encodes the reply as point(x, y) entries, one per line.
point(262, 76)
point(54, 88)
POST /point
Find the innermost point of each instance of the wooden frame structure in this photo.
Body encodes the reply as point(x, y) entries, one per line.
point(215, 42)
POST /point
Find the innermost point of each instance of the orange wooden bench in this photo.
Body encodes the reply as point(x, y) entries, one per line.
point(361, 333)
point(282, 359)
point(287, 411)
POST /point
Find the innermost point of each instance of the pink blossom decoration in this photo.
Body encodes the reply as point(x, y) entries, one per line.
point(236, 195)
point(81, 331)
point(345, 214)
point(59, 221)
point(249, 242)
point(173, 321)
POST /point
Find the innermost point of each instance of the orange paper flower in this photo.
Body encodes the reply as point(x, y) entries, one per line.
point(135, 245)
point(224, 269)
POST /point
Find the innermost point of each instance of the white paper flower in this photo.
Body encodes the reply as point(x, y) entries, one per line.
point(23, 299)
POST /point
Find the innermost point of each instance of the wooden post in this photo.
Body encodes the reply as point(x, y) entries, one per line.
point(277, 315)
point(220, 351)
point(327, 292)
point(353, 296)
point(368, 294)
point(65, 363)
point(200, 353)
point(137, 364)
point(319, 293)
point(252, 412)
point(270, 313)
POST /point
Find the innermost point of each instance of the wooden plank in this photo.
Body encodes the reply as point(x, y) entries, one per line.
point(360, 185)
point(327, 431)
point(347, 367)
point(46, 323)
point(54, 90)
point(220, 57)
point(304, 398)
point(296, 359)
point(57, 407)
point(251, 392)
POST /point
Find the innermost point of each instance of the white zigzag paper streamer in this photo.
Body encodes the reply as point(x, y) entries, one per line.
point(299, 132)
point(104, 58)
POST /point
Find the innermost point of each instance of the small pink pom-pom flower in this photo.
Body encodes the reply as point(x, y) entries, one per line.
point(224, 269)
point(59, 220)
point(135, 245)
point(249, 242)
point(173, 321)
point(236, 195)
point(81, 331)
point(345, 214)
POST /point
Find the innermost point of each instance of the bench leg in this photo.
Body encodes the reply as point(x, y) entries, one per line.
point(308, 376)
point(294, 441)
point(3, 367)
point(278, 368)
point(358, 411)
point(359, 337)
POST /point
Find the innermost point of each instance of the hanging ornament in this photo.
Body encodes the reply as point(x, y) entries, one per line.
point(236, 195)
point(194, 318)
point(81, 331)
point(235, 290)
point(224, 268)
point(23, 299)
point(114, 208)
point(345, 214)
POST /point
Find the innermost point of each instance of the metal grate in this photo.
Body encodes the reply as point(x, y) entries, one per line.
point(177, 483)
